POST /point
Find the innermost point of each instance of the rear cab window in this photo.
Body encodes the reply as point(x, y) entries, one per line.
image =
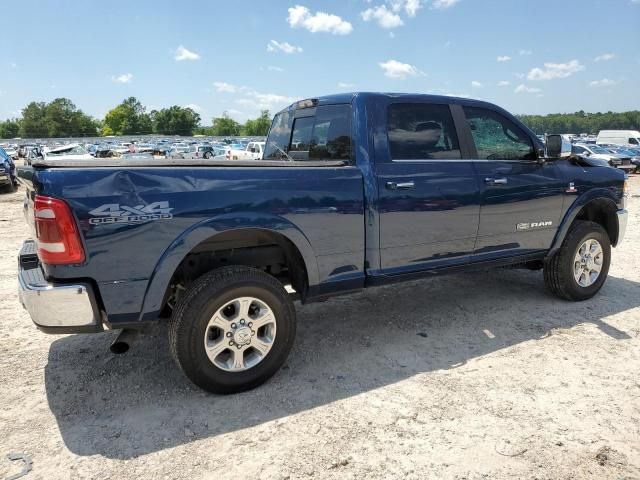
point(313, 134)
point(418, 131)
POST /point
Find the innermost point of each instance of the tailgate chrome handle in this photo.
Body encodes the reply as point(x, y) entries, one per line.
point(400, 185)
point(495, 181)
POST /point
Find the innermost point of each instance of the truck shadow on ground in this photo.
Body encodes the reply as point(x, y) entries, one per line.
point(134, 404)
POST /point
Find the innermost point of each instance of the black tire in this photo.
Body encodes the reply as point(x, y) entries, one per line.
point(558, 269)
point(207, 155)
point(210, 292)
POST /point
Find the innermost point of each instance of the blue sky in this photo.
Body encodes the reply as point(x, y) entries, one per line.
point(538, 56)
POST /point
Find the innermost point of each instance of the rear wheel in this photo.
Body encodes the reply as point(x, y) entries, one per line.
point(579, 269)
point(233, 329)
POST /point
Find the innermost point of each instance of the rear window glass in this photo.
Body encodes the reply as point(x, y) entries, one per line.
point(419, 131)
point(326, 135)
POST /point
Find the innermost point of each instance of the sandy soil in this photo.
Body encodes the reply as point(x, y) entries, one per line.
point(481, 375)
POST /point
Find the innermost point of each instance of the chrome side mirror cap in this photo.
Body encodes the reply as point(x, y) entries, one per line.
point(557, 147)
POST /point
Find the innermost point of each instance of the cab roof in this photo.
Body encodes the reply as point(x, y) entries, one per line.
point(349, 97)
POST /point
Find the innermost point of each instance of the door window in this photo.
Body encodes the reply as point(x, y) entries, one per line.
point(498, 138)
point(419, 131)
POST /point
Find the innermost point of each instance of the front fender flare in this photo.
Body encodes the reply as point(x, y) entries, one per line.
point(573, 211)
point(187, 241)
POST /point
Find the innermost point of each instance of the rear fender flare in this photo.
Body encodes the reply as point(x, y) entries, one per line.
point(198, 233)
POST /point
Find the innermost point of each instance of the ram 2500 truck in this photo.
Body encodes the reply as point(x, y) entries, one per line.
point(353, 191)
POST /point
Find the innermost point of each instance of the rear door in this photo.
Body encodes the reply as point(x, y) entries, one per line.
point(428, 194)
point(521, 197)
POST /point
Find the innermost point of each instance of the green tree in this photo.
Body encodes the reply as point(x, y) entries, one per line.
point(128, 118)
point(258, 127)
point(64, 119)
point(225, 126)
point(175, 120)
point(33, 122)
point(582, 122)
point(9, 128)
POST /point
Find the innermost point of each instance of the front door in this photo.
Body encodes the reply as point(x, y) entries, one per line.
point(521, 197)
point(428, 196)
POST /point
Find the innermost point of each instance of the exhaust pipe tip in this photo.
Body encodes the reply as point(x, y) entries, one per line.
point(123, 341)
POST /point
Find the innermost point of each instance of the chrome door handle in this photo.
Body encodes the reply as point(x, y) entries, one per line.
point(495, 181)
point(400, 185)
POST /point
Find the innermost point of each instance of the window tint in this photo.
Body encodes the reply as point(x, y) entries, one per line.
point(325, 136)
point(633, 141)
point(498, 138)
point(577, 149)
point(421, 132)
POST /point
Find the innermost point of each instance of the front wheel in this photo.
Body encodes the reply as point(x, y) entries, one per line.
point(233, 329)
point(579, 269)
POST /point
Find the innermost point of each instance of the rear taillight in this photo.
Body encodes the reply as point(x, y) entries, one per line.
point(57, 236)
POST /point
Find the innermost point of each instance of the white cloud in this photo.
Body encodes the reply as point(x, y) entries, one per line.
point(124, 78)
point(525, 52)
point(273, 68)
point(504, 83)
point(395, 69)
point(524, 89)
point(442, 4)
point(519, 75)
point(346, 85)
point(184, 54)
point(194, 107)
point(605, 56)
point(275, 46)
point(262, 101)
point(605, 82)
point(224, 87)
point(385, 18)
point(476, 84)
point(301, 17)
point(410, 7)
point(555, 70)
point(504, 58)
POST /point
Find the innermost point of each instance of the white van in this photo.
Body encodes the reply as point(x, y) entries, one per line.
point(619, 137)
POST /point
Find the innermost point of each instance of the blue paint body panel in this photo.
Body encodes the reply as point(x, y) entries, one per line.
point(348, 227)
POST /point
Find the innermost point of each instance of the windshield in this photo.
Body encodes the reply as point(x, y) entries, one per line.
point(595, 149)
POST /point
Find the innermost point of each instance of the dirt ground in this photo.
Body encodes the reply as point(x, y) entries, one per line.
point(471, 376)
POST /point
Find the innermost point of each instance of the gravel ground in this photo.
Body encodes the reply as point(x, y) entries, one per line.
point(480, 375)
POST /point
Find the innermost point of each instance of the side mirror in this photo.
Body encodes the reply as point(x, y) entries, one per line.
point(557, 147)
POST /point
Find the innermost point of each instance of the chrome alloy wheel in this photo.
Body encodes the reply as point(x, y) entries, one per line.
point(240, 334)
point(587, 263)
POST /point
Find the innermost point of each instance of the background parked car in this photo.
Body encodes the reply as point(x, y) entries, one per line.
point(598, 152)
point(8, 180)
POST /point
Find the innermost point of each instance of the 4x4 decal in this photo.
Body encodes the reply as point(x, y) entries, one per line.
point(116, 213)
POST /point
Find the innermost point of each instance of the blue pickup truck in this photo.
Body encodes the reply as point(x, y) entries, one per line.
point(353, 191)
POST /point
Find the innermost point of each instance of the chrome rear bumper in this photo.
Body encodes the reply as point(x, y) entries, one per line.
point(55, 307)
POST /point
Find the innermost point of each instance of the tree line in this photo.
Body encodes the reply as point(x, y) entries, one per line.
point(582, 122)
point(61, 118)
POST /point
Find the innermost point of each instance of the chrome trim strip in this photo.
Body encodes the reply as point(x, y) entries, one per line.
point(623, 216)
